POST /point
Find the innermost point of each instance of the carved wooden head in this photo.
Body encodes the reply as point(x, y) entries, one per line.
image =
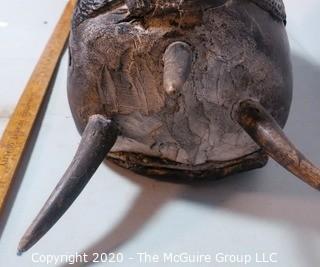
point(177, 89)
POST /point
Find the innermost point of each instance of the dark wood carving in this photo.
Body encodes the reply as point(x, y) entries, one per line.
point(177, 90)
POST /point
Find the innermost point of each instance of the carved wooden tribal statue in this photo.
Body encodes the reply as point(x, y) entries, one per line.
point(176, 89)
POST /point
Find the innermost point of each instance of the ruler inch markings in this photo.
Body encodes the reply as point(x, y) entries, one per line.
point(19, 128)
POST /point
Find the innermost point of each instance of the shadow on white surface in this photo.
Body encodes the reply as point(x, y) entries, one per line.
point(26, 157)
point(269, 194)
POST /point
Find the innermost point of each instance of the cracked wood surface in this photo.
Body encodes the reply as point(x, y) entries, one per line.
point(239, 52)
point(90, 8)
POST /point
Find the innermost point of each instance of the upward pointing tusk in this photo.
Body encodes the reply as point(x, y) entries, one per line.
point(265, 131)
point(177, 66)
point(98, 138)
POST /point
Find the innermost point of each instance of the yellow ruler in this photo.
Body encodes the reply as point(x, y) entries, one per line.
point(14, 140)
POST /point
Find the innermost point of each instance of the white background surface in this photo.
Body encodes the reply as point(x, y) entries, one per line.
point(266, 210)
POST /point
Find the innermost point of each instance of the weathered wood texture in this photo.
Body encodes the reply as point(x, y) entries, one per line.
point(91, 8)
point(167, 170)
point(239, 51)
